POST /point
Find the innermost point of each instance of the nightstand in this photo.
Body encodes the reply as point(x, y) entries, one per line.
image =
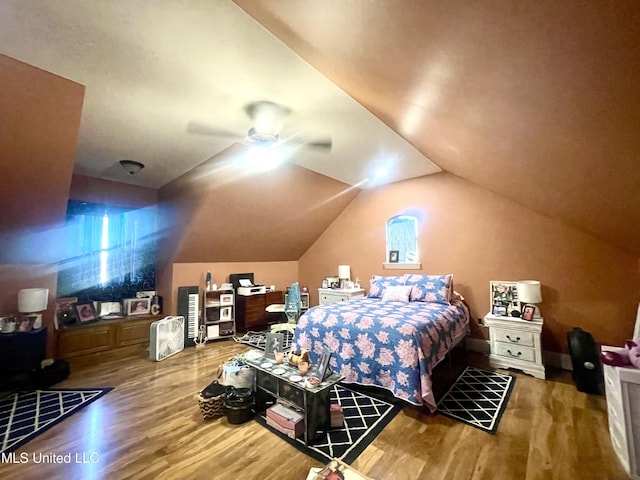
point(330, 295)
point(515, 343)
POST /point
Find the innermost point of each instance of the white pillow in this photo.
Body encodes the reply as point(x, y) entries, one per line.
point(397, 293)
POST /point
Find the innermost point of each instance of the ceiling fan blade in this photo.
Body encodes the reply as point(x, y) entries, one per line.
point(201, 129)
point(320, 145)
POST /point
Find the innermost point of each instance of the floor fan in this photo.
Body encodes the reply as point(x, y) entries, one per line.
point(167, 338)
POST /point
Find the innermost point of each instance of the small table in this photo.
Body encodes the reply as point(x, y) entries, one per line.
point(313, 402)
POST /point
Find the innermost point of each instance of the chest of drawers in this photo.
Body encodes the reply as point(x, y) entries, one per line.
point(622, 387)
point(515, 343)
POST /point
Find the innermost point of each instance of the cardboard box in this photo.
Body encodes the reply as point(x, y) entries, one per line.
point(286, 420)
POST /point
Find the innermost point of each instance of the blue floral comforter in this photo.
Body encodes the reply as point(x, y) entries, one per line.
point(393, 345)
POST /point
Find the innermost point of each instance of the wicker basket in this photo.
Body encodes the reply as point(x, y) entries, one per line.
point(212, 407)
point(211, 400)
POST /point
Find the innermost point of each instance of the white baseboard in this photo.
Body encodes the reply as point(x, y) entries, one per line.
point(551, 359)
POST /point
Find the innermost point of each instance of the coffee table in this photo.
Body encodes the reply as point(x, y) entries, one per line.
point(312, 401)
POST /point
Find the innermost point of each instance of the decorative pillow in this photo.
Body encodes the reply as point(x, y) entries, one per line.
point(397, 293)
point(430, 288)
point(378, 284)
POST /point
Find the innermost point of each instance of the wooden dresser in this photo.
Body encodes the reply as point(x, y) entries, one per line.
point(250, 310)
point(116, 337)
point(622, 388)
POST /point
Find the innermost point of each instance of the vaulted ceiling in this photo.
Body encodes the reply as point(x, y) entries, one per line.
point(536, 101)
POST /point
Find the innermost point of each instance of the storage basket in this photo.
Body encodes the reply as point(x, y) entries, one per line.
point(211, 401)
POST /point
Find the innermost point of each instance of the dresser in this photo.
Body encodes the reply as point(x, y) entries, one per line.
point(515, 343)
point(330, 295)
point(622, 387)
point(250, 310)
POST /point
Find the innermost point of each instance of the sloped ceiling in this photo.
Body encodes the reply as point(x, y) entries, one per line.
point(537, 101)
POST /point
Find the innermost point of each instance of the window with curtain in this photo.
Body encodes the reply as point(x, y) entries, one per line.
point(402, 237)
point(109, 252)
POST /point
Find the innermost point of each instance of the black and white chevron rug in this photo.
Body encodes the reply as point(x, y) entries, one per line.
point(24, 415)
point(478, 398)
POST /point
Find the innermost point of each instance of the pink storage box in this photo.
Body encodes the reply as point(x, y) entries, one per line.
point(285, 420)
point(337, 417)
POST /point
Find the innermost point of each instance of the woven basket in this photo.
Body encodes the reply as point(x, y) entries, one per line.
point(212, 407)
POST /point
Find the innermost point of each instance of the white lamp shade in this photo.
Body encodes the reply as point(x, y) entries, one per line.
point(529, 291)
point(33, 300)
point(344, 271)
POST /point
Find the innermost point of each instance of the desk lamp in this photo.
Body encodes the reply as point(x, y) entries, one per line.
point(32, 302)
point(529, 294)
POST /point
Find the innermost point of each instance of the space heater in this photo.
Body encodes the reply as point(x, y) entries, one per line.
point(167, 338)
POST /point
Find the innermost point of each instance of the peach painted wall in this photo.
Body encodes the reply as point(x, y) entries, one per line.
point(480, 236)
point(280, 274)
point(96, 190)
point(40, 115)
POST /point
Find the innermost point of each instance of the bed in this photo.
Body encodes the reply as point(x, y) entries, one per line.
point(393, 338)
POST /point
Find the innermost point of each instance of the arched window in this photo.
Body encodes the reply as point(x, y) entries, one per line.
point(402, 240)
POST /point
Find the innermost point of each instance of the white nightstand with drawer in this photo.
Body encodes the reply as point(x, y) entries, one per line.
point(515, 343)
point(329, 295)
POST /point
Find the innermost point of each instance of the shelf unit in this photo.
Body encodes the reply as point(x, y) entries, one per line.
point(219, 313)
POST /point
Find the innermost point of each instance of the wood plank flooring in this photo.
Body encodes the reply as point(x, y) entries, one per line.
point(150, 427)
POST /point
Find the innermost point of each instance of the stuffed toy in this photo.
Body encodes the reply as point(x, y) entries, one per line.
point(295, 358)
point(628, 356)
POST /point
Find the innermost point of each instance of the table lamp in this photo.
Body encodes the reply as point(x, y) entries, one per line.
point(32, 302)
point(529, 294)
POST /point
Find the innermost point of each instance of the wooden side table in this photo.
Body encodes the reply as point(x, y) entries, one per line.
point(515, 343)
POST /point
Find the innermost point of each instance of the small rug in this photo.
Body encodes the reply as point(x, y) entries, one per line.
point(364, 419)
point(478, 398)
point(25, 415)
point(258, 340)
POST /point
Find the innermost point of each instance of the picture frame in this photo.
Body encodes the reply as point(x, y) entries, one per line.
point(139, 306)
point(226, 298)
point(65, 313)
point(274, 343)
point(528, 311)
point(394, 256)
point(108, 310)
point(323, 363)
point(225, 313)
point(499, 310)
point(504, 294)
point(85, 312)
point(333, 282)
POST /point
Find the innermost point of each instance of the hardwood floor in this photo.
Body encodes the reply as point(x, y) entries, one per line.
point(150, 426)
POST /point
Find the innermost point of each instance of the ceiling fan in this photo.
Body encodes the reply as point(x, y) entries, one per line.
point(268, 119)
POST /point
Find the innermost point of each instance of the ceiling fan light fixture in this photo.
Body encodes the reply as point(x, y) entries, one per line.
point(263, 159)
point(131, 166)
